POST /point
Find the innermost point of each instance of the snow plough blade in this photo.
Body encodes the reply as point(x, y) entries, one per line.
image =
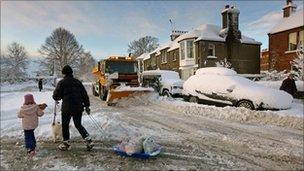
point(116, 94)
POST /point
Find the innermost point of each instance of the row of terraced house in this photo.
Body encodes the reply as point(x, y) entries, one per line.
point(210, 45)
point(206, 46)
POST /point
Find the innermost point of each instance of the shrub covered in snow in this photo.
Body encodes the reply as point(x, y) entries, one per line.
point(298, 64)
point(274, 75)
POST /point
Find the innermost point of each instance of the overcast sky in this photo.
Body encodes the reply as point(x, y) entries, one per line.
point(106, 27)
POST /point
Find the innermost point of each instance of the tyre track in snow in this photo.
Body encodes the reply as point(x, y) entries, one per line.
point(204, 135)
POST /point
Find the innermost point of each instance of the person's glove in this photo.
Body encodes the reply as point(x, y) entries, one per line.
point(88, 110)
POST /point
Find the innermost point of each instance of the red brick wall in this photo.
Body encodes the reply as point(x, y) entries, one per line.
point(278, 45)
point(265, 61)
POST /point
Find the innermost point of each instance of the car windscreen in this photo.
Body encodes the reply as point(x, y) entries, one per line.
point(121, 67)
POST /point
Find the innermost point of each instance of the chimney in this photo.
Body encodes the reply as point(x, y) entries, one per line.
point(225, 17)
point(176, 33)
point(233, 38)
point(289, 8)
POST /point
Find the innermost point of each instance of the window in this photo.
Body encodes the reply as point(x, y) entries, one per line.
point(301, 37)
point(174, 56)
point(164, 57)
point(182, 50)
point(190, 49)
point(186, 49)
point(211, 50)
point(292, 41)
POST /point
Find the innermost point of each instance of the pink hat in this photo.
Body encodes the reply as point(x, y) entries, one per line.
point(29, 99)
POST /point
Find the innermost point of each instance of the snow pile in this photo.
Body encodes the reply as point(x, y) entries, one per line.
point(138, 99)
point(128, 88)
point(292, 118)
point(293, 21)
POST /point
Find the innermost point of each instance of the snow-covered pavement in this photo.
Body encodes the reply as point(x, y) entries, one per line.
point(227, 138)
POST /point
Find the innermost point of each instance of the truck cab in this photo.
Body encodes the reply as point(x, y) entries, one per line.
point(113, 72)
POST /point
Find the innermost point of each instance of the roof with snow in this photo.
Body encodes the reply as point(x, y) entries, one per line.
point(293, 21)
point(212, 33)
point(143, 56)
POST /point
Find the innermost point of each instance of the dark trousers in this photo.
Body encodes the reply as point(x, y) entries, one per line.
point(30, 141)
point(65, 119)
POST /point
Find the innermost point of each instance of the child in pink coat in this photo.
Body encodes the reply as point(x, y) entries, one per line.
point(29, 113)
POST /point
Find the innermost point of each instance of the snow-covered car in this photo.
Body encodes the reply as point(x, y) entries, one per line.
point(221, 86)
point(167, 83)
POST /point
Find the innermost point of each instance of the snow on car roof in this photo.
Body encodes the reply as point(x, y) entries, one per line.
point(293, 21)
point(215, 71)
point(153, 72)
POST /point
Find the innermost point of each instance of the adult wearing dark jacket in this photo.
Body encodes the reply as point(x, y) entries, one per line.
point(289, 85)
point(74, 99)
point(40, 84)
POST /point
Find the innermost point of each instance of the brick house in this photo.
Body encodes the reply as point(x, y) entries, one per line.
point(264, 60)
point(207, 45)
point(285, 36)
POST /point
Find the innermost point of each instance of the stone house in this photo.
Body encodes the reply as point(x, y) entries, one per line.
point(285, 36)
point(206, 46)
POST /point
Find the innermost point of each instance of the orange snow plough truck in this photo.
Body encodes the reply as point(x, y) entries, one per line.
point(117, 77)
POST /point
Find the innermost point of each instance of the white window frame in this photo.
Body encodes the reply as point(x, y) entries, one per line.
point(184, 55)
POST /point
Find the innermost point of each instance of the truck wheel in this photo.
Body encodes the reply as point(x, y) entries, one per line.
point(193, 99)
point(246, 104)
point(93, 91)
point(166, 93)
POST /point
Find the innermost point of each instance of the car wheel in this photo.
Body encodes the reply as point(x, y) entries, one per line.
point(166, 93)
point(246, 104)
point(193, 99)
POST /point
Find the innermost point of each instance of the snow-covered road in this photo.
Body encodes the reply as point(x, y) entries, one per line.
point(203, 136)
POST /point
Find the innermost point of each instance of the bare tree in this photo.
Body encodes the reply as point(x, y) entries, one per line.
point(14, 63)
point(143, 45)
point(84, 66)
point(60, 49)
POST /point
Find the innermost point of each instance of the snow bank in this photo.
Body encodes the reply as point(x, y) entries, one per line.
point(292, 118)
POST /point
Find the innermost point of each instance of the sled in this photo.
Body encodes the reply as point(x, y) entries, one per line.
point(141, 155)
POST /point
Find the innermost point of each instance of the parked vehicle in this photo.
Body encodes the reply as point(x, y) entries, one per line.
point(221, 86)
point(166, 83)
